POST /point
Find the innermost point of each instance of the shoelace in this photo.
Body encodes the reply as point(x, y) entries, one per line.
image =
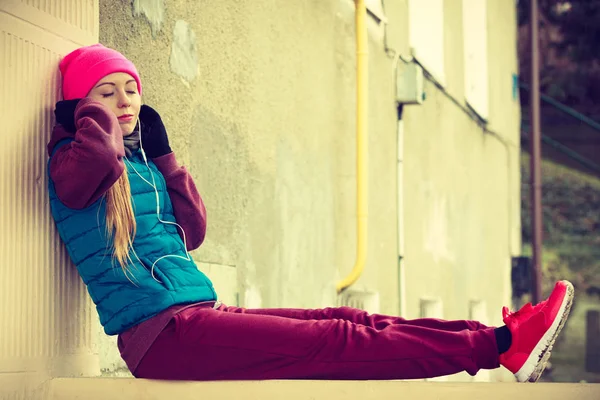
point(526, 309)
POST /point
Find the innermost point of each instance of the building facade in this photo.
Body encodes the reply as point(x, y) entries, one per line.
point(259, 101)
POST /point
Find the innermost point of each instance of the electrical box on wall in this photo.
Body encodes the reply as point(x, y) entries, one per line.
point(409, 83)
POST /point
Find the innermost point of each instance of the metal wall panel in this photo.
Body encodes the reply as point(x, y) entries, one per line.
point(45, 312)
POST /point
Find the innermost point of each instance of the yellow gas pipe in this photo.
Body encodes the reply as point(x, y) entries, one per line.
point(362, 86)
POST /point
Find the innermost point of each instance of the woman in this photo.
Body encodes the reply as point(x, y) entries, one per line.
point(129, 214)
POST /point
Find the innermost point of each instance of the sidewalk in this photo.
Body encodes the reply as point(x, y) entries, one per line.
point(122, 388)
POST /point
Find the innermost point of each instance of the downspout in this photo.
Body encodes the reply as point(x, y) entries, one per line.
point(400, 208)
point(362, 86)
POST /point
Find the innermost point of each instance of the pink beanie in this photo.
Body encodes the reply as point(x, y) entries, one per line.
point(83, 68)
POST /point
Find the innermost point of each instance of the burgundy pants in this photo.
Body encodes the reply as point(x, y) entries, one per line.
point(231, 343)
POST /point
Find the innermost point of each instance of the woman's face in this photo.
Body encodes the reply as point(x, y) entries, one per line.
point(119, 92)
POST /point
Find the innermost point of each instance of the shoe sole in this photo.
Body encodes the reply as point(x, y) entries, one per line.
point(536, 363)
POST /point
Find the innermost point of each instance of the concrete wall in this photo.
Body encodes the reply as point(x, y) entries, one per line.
point(267, 129)
point(461, 182)
point(258, 99)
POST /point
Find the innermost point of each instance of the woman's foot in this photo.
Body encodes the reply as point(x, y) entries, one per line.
point(533, 332)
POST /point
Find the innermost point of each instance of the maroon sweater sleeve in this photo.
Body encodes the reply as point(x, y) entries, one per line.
point(188, 206)
point(84, 169)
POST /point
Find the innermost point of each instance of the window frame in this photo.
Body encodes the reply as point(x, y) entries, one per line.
point(427, 28)
point(476, 56)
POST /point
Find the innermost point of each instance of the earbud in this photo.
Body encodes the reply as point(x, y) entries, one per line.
point(139, 124)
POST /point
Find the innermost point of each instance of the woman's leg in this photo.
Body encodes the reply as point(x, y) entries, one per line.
point(231, 343)
point(377, 321)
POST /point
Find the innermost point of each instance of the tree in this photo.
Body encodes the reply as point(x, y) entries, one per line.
point(569, 51)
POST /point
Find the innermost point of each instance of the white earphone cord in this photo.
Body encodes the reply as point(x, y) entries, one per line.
point(153, 185)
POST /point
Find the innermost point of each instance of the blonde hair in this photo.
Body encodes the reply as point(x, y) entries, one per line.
point(120, 221)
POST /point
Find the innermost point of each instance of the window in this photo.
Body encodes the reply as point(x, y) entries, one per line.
point(426, 35)
point(476, 57)
point(431, 308)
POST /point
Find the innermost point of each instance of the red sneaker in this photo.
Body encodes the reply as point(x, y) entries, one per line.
point(534, 330)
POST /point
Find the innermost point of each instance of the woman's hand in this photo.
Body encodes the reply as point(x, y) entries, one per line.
point(65, 114)
point(86, 166)
point(155, 141)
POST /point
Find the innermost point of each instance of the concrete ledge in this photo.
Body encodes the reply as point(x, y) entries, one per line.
point(122, 388)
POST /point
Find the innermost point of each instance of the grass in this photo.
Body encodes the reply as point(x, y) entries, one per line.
point(568, 357)
point(571, 250)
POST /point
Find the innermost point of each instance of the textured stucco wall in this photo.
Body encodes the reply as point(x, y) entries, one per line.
point(462, 184)
point(258, 99)
point(265, 122)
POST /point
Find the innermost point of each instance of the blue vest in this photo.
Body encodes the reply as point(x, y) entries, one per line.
point(122, 304)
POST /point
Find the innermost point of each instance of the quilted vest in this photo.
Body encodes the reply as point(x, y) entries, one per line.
point(124, 301)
